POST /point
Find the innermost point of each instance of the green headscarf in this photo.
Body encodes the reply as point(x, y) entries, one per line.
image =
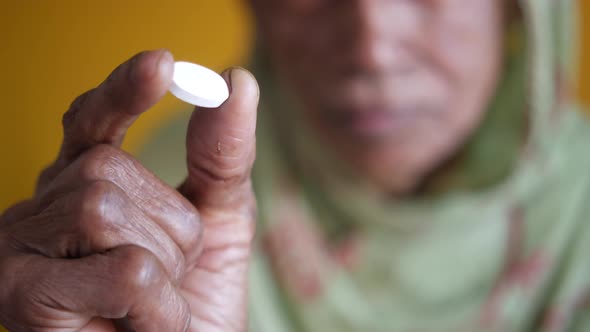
point(498, 242)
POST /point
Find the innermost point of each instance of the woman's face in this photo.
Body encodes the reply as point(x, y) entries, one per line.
point(395, 86)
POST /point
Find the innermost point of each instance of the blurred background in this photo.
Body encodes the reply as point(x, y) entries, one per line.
point(52, 51)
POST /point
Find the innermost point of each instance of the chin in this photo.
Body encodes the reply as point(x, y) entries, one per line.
point(394, 162)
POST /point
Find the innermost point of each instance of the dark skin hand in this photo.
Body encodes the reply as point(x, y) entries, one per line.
point(104, 245)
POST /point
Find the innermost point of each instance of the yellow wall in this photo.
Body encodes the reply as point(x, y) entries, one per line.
point(51, 51)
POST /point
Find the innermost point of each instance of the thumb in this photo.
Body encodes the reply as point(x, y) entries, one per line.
point(221, 147)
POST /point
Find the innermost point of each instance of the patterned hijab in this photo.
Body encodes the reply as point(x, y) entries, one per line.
point(498, 241)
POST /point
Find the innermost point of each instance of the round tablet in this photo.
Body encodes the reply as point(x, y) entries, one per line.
point(198, 85)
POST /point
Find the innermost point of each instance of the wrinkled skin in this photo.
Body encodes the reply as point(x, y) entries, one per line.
point(395, 86)
point(104, 245)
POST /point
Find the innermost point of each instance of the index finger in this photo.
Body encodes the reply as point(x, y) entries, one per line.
point(103, 115)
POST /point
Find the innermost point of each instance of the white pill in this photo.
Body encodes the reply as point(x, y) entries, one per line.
point(198, 85)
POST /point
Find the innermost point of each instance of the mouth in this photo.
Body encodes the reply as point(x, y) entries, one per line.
point(374, 123)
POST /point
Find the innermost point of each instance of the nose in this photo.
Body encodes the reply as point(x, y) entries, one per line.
point(381, 30)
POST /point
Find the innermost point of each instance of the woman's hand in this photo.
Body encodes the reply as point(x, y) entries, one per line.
point(105, 245)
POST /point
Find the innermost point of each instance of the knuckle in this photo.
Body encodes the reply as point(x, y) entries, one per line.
point(101, 162)
point(140, 270)
point(69, 117)
point(94, 206)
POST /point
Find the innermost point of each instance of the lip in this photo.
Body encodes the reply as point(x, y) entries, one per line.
point(375, 122)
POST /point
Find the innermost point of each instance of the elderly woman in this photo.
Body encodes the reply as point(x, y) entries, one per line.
point(421, 167)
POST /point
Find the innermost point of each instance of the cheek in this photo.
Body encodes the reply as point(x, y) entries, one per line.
point(469, 43)
point(470, 46)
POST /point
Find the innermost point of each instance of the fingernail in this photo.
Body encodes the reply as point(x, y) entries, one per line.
point(161, 64)
point(165, 64)
point(239, 73)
